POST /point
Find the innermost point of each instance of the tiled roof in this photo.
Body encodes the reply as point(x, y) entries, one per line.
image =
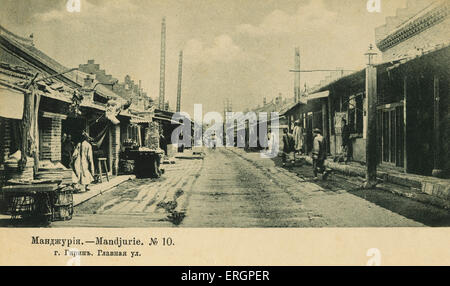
point(391, 35)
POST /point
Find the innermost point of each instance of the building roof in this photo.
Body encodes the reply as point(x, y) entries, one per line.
point(441, 54)
point(410, 21)
point(25, 47)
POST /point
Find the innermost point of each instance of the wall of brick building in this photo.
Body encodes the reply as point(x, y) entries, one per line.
point(115, 134)
point(430, 37)
point(5, 133)
point(50, 139)
point(444, 92)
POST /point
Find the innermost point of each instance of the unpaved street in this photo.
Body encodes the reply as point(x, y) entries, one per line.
point(232, 188)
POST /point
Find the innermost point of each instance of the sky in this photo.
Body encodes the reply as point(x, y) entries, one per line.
point(237, 49)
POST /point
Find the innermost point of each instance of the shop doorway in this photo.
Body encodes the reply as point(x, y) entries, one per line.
point(391, 135)
point(71, 130)
point(102, 147)
point(309, 132)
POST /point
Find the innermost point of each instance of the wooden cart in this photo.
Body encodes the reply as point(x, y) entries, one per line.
point(146, 162)
point(33, 201)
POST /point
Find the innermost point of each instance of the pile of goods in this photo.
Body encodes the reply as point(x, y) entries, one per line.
point(47, 195)
point(152, 136)
point(12, 171)
point(49, 171)
point(130, 144)
point(126, 167)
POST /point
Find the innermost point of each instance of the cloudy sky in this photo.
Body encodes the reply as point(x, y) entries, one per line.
point(240, 49)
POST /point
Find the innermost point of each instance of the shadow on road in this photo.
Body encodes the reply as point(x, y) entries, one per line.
point(426, 214)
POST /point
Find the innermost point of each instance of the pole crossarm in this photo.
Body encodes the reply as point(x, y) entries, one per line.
point(320, 70)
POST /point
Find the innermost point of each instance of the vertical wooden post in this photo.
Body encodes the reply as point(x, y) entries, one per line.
point(110, 151)
point(437, 171)
point(26, 125)
point(405, 95)
point(307, 131)
point(371, 140)
point(330, 125)
point(325, 125)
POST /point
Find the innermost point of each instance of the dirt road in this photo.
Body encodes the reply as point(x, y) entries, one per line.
point(232, 188)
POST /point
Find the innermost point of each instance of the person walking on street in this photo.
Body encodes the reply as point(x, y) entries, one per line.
point(213, 141)
point(272, 144)
point(298, 138)
point(319, 154)
point(163, 144)
point(83, 164)
point(288, 145)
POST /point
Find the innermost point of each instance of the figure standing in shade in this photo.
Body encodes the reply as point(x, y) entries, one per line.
point(67, 150)
point(163, 143)
point(346, 142)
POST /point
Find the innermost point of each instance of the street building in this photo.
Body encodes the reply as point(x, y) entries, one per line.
point(412, 106)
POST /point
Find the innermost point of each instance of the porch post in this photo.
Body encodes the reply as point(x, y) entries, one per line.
point(330, 125)
point(437, 171)
point(325, 125)
point(371, 139)
point(405, 95)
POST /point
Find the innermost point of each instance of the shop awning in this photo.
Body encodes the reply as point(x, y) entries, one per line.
point(138, 120)
point(318, 95)
point(166, 119)
point(11, 103)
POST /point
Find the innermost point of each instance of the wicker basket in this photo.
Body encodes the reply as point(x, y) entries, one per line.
point(63, 204)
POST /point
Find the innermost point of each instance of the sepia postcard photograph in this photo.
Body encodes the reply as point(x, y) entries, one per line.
point(119, 119)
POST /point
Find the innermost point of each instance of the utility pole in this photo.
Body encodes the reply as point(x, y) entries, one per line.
point(180, 72)
point(371, 139)
point(297, 75)
point(162, 67)
point(227, 107)
point(437, 171)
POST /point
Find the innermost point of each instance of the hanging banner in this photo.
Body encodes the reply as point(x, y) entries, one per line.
point(12, 103)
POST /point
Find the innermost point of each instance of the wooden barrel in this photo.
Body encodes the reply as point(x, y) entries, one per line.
point(63, 204)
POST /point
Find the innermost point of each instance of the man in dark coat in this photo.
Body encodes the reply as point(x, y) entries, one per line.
point(288, 145)
point(346, 142)
point(163, 143)
point(67, 150)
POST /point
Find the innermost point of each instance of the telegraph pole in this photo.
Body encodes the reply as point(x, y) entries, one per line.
point(180, 72)
point(162, 67)
point(371, 138)
point(297, 75)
